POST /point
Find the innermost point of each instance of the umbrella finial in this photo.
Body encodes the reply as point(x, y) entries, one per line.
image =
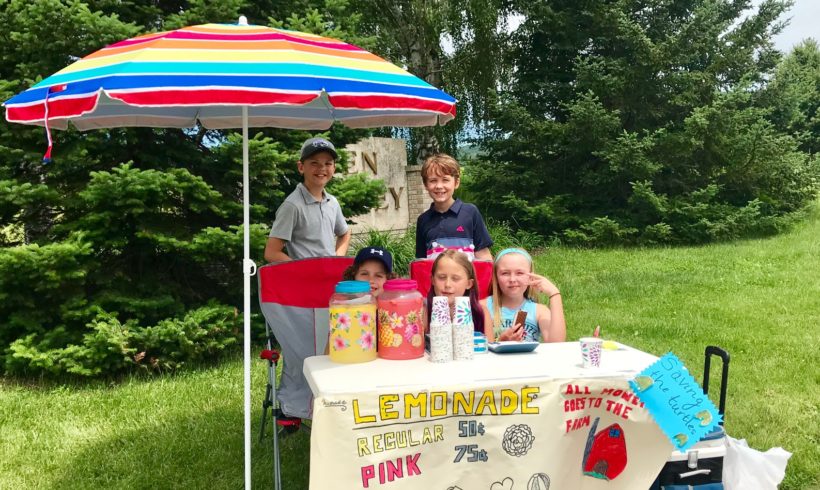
point(243, 21)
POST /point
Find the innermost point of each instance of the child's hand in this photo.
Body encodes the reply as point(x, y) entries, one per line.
point(516, 333)
point(542, 285)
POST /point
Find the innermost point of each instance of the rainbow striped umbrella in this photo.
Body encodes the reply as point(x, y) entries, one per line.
point(204, 73)
point(231, 76)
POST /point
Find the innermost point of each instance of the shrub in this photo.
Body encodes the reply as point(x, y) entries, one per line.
point(42, 288)
point(505, 236)
point(402, 245)
point(600, 231)
point(200, 335)
point(111, 347)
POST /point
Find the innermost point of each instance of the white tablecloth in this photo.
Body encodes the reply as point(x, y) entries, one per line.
point(556, 361)
point(498, 421)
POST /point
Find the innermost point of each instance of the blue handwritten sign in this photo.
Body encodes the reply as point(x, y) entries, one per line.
point(676, 401)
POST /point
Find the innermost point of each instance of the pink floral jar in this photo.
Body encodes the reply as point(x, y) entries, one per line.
point(401, 312)
point(352, 323)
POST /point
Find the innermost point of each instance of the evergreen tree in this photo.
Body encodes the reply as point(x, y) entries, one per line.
point(794, 96)
point(642, 121)
point(127, 249)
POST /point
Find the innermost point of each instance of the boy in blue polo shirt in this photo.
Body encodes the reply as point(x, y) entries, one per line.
point(449, 223)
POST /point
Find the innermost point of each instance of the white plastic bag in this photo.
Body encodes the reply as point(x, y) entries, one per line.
point(745, 468)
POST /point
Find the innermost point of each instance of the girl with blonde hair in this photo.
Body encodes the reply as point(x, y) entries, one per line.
point(514, 284)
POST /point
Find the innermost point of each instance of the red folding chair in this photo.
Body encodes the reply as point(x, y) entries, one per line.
point(294, 298)
point(421, 270)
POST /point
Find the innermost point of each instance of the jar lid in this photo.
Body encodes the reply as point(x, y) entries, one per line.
point(353, 287)
point(401, 285)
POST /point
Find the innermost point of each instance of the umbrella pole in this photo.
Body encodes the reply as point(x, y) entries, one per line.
point(249, 269)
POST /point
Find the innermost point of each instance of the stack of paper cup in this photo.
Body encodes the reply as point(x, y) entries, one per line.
point(441, 331)
point(463, 330)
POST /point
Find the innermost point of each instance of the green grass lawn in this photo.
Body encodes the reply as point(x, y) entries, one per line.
point(759, 299)
point(174, 432)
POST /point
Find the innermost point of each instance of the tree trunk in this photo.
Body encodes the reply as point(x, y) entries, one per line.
point(425, 62)
point(39, 222)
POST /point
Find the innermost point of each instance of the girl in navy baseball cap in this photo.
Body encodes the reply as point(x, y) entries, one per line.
point(372, 264)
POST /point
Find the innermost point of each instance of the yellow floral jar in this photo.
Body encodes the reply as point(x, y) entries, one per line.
point(352, 335)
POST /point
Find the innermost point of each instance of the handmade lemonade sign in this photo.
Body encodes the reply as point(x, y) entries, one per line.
point(676, 401)
point(579, 434)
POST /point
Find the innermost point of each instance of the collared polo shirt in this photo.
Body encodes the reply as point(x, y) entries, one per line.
point(461, 227)
point(307, 225)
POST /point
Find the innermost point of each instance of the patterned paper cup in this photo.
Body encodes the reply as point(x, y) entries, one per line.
point(463, 330)
point(440, 312)
point(441, 331)
point(591, 351)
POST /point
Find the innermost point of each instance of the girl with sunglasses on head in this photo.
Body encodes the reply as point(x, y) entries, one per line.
point(514, 284)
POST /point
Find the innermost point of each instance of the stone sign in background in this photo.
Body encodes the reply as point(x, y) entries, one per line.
point(405, 199)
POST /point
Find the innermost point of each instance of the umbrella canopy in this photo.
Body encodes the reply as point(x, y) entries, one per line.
point(287, 79)
point(231, 76)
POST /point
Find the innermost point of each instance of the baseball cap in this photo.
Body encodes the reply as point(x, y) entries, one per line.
point(315, 145)
point(375, 253)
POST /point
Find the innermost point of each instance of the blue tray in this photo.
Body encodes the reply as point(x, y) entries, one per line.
point(510, 347)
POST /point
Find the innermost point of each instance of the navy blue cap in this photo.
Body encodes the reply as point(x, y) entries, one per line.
point(315, 145)
point(375, 253)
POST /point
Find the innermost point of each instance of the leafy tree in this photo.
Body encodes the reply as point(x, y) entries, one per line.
point(794, 96)
point(641, 121)
point(126, 251)
point(448, 44)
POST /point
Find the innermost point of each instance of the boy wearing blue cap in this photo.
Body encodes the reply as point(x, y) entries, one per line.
point(310, 222)
point(372, 264)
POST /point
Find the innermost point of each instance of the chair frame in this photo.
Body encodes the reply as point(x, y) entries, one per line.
point(271, 407)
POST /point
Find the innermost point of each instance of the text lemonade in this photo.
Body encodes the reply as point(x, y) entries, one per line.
point(422, 407)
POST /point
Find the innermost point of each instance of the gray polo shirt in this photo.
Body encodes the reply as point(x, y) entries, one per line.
point(309, 227)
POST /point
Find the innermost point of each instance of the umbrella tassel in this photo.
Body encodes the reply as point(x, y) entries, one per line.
point(47, 156)
point(51, 90)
